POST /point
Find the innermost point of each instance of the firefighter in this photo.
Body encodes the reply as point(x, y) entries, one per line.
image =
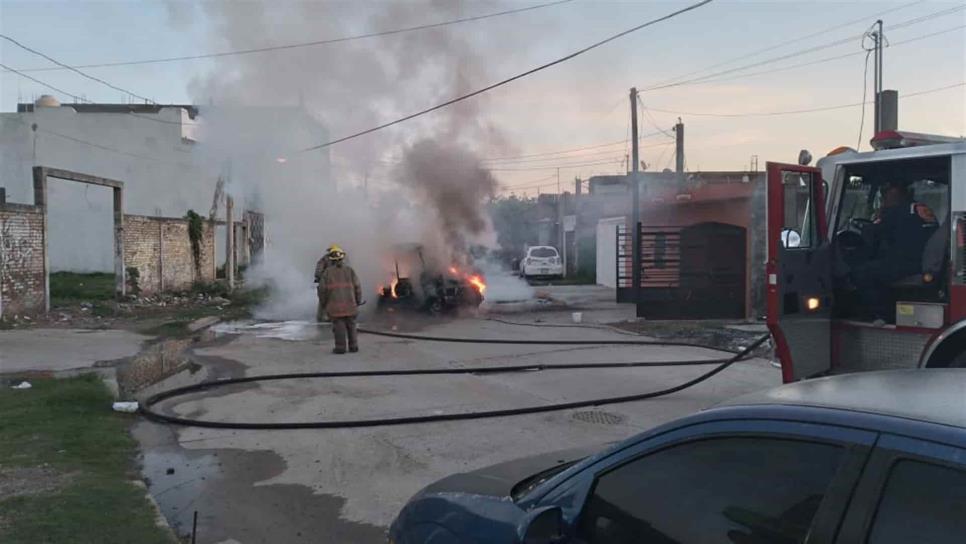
point(903, 227)
point(339, 298)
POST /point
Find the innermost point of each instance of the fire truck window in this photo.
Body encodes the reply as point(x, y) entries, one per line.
point(799, 210)
point(860, 200)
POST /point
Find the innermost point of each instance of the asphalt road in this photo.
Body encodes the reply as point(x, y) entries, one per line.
point(346, 485)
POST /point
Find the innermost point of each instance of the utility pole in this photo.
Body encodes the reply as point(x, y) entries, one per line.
point(878, 37)
point(635, 202)
point(679, 150)
point(577, 193)
point(561, 236)
point(230, 242)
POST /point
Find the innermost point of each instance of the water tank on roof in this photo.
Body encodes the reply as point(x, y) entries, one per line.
point(47, 101)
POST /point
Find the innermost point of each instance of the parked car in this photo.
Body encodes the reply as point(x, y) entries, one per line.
point(541, 262)
point(877, 457)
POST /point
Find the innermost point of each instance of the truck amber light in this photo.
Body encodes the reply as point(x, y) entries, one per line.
point(813, 303)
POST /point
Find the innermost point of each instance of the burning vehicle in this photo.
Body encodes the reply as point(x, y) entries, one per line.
point(418, 283)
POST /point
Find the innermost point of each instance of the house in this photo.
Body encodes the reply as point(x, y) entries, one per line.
point(669, 203)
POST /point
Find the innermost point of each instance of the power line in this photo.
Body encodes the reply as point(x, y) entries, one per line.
point(308, 44)
point(812, 110)
point(789, 42)
point(45, 84)
point(567, 151)
point(75, 70)
point(801, 52)
point(825, 59)
point(513, 78)
point(647, 114)
point(569, 166)
point(78, 98)
point(552, 156)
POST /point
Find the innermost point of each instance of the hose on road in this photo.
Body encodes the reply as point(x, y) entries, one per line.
point(147, 408)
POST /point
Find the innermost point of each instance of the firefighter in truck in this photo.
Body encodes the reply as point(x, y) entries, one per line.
point(865, 266)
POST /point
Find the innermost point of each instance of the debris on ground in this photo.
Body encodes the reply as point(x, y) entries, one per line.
point(126, 407)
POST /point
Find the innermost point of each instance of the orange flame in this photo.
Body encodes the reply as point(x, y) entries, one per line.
point(392, 287)
point(477, 282)
point(454, 271)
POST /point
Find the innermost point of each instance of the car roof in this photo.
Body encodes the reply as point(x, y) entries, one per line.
point(932, 395)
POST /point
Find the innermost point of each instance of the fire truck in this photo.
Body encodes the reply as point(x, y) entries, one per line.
point(822, 221)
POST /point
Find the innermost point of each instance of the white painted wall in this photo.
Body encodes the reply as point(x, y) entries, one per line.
point(164, 171)
point(607, 251)
point(146, 151)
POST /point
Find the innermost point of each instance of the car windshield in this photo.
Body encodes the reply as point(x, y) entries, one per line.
point(524, 487)
point(543, 252)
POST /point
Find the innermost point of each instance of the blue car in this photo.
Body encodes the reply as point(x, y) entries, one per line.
point(876, 458)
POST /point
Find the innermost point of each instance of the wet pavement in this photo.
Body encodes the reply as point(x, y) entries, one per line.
point(345, 485)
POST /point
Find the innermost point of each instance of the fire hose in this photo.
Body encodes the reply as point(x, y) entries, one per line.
point(147, 408)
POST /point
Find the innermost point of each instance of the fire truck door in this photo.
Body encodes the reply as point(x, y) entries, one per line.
point(798, 271)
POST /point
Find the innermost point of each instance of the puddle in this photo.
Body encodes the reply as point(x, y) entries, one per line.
point(177, 479)
point(283, 330)
point(222, 486)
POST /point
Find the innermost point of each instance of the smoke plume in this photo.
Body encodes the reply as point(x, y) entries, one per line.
point(367, 193)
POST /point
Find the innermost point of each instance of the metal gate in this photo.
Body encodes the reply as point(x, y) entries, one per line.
point(694, 272)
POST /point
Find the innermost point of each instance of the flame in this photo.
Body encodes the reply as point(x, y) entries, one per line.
point(477, 282)
point(392, 287)
point(453, 270)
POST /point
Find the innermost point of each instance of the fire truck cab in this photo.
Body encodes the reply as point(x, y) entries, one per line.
point(823, 223)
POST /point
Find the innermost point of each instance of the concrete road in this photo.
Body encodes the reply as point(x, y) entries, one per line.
point(346, 485)
point(56, 350)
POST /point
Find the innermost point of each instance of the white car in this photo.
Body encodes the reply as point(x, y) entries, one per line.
point(541, 261)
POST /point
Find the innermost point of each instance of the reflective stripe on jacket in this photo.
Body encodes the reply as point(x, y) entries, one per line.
point(339, 290)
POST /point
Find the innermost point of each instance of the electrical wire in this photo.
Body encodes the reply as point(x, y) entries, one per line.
point(771, 60)
point(811, 110)
point(147, 408)
point(75, 70)
point(512, 78)
point(647, 114)
point(824, 59)
point(307, 44)
point(625, 141)
point(81, 99)
point(44, 83)
point(785, 43)
point(569, 166)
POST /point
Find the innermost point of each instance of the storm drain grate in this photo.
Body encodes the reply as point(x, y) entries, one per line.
point(598, 417)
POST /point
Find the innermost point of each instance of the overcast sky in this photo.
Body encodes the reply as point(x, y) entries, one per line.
point(582, 102)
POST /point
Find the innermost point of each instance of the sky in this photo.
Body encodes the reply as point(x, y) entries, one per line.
point(581, 103)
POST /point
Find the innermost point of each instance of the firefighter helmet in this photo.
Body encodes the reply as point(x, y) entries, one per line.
point(335, 253)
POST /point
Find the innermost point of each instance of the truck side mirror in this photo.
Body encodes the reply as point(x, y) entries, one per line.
point(791, 238)
point(542, 526)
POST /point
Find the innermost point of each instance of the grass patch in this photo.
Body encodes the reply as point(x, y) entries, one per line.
point(66, 287)
point(67, 428)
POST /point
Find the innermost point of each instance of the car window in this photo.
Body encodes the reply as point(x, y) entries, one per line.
point(922, 503)
point(740, 490)
point(543, 252)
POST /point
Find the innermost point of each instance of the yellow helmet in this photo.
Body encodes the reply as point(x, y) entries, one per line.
point(335, 252)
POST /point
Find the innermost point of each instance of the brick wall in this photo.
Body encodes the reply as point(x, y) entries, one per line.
point(22, 280)
point(160, 248)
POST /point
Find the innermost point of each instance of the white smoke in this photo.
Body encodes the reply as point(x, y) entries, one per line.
point(420, 182)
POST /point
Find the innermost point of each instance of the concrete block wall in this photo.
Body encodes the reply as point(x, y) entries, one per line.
point(22, 274)
point(160, 248)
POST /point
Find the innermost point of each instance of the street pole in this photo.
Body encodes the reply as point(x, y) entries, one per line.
point(878, 76)
point(679, 150)
point(635, 202)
